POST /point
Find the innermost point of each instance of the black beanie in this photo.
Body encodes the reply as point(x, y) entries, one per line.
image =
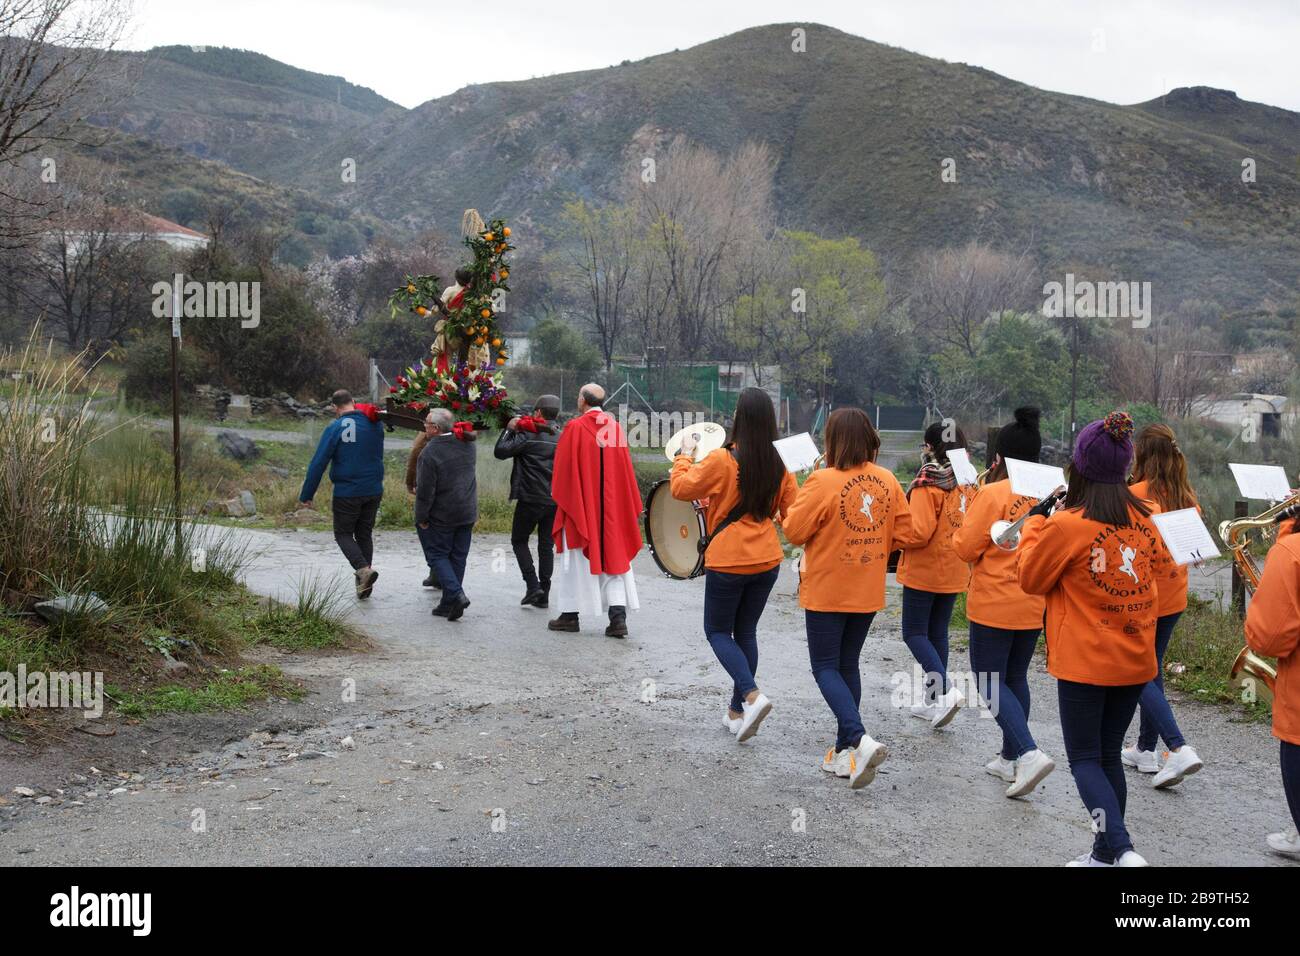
point(1020, 439)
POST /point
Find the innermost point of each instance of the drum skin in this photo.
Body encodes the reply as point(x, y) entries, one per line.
point(673, 529)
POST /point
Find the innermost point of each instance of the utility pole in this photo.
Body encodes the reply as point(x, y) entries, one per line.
point(176, 410)
point(1074, 378)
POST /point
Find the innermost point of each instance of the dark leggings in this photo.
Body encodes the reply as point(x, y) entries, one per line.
point(1093, 722)
point(1156, 719)
point(1291, 779)
point(733, 603)
point(354, 525)
point(834, 645)
point(1000, 660)
point(926, 616)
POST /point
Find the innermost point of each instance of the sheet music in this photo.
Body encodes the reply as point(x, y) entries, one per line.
point(799, 452)
point(1186, 536)
point(962, 469)
point(1261, 482)
point(1034, 479)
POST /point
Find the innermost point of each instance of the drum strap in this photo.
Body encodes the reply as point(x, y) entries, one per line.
point(732, 517)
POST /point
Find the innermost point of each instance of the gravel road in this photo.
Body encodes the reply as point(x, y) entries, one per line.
point(494, 741)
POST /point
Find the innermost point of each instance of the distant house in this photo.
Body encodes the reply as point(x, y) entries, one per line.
point(1264, 413)
point(130, 225)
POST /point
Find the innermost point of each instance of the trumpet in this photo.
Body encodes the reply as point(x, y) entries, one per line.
point(979, 479)
point(1006, 534)
point(1234, 533)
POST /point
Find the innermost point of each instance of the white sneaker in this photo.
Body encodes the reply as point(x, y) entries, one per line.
point(1000, 766)
point(1131, 858)
point(837, 761)
point(946, 707)
point(731, 723)
point(1031, 768)
point(863, 761)
point(923, 710)
point(753, 716)
point(1287, 843)
point(1087, 860)
point(1143, 761)
point(1179, 764)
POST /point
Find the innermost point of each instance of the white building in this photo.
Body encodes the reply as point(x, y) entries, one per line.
point(126, 226)
point(1265, 414)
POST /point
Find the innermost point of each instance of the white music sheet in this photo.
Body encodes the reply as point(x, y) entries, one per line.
point(1033, 478)
point(1186, 536)
point(962, 469)
point(799, 452)
point(1261, 482)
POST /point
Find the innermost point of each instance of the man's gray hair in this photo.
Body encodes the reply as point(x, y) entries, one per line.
point(593, 395)
point(441, 418)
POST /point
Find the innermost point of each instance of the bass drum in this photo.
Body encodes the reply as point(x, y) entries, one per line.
point(674, 530)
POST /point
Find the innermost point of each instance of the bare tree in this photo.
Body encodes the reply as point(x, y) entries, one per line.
point(956, 290)
point(595, 254)
point(52, 56)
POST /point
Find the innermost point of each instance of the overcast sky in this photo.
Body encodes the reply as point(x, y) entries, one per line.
point(411, 51)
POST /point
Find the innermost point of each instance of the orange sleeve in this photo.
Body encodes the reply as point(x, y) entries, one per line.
point(972, 539)
point(925, 505)
point(690, 481)
point(1043, 555)
point(906, 533)
point(807, 513)
point(789, 489)
point(1273, 617)
point(1285, 529)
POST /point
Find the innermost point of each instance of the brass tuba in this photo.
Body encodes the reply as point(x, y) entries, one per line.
point(1234, 533)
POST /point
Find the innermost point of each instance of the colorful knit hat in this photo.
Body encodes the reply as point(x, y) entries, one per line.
point(1104, 449)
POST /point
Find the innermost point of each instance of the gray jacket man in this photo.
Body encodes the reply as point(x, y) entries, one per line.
point(446, 505)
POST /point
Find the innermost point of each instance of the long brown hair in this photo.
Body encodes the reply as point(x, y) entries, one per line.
point(761, 468)
point(1160, 463)
point(851, 439)
point(1106, 503)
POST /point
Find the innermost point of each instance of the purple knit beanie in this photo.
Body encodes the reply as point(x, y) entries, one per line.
point(1104, 449)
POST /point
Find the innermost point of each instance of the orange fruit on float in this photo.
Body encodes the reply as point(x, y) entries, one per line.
point(488, 236)
point(496, 343)
point(421, 310)
point(505, 231)
point(486, 313)
point(501, 361)
point(505, 274)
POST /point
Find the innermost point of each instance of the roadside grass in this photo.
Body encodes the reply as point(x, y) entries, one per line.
point(226, 690)
point(316, 619)
point(1200, 655)
point(87, 507)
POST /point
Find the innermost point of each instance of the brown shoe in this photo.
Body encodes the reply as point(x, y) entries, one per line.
point(564, 623)
point(617, 629)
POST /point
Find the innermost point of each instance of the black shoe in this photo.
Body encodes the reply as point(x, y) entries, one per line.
point(431, 582)
point(617, 622)
point(456, 609)
point(533, 596)
point(441, 610)
point(565, 622)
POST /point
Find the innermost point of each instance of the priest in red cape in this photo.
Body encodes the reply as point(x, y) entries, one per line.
point(597, 530)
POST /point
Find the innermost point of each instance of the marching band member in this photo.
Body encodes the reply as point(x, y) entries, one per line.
point(1160, 477)
point(931, 573)
point(746, 484)
point(1004, 620)
point(1273, 629)
point(1099, 560)
point(847, 516)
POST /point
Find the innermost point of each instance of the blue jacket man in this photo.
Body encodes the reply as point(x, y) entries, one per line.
point(352, 446)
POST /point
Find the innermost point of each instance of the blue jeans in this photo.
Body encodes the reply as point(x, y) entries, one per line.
point(835, 642)
point(426, 543)
point(1093, 722)
point(926, 616)
point(450, 551)
point(733, 603)
point(1157, 718)
point(1290, 758)
point(1000, 659)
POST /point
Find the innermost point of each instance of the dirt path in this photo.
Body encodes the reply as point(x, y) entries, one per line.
point(492, 740)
